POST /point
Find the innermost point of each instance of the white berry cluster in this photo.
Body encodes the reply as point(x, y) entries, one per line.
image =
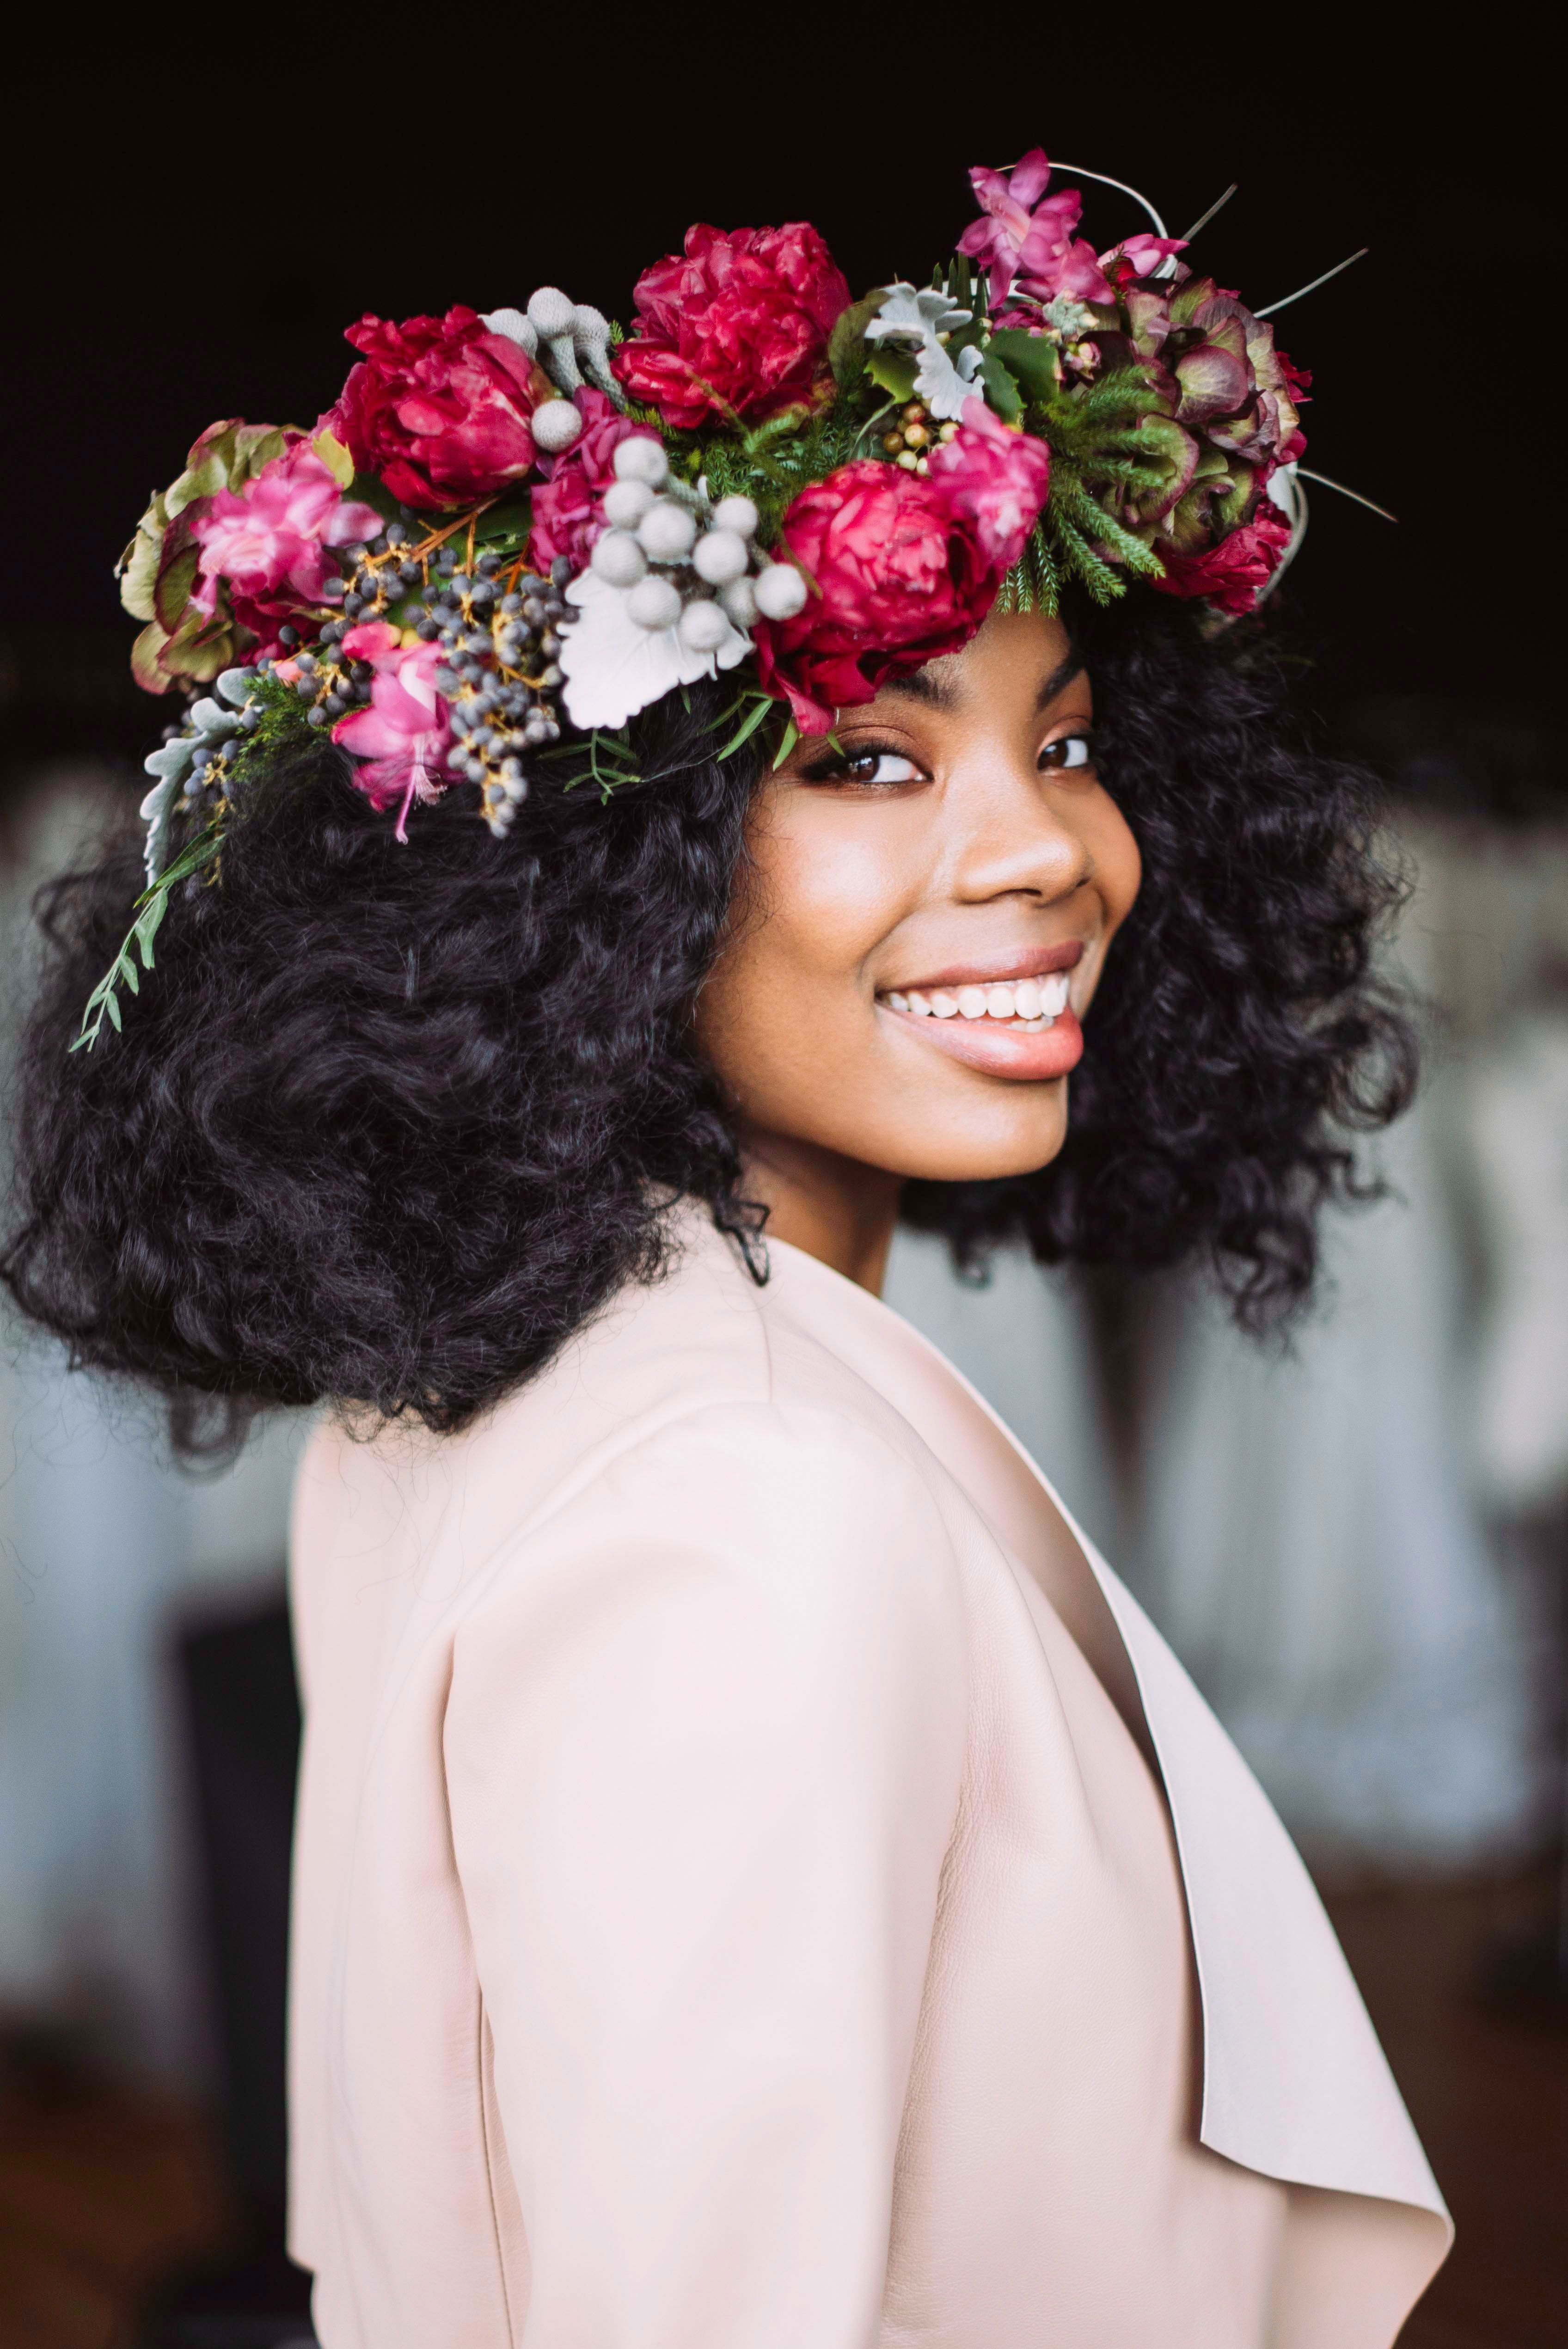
point(683, 563)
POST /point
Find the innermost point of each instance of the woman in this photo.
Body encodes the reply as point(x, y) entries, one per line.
point(760, 1879)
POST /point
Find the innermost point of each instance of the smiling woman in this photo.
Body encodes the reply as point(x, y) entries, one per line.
point(760, 1879)
point(927, 907)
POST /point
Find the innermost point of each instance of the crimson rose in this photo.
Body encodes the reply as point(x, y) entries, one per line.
point(439, 407)
point(905, 566)
point(740, 325)
point(1234, 571)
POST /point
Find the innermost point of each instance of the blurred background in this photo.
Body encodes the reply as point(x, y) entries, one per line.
point(1357, 1546)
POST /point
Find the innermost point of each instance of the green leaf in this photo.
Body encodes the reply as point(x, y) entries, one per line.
point(791, 736)
point(847, 343)
point(748, 725)
point(512, 519)
point(127, 971)
point(335, 457)
point(147, 925)
point(111, 1005)
point(145, 665)
point(1001, 391)
point(171, 591)
point(894, 370)
point(1032, 359)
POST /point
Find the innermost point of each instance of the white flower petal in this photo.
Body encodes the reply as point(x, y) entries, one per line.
point(614, 668)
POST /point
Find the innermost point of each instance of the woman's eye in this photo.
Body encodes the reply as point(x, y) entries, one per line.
point(866, 766)
point(1071, 751)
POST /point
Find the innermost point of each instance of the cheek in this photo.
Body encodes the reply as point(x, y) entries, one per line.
point(1118, 865)
point(790, 991)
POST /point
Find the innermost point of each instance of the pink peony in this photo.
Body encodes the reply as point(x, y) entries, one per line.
point(903, 568)
point(1233, 572)
point(268, 542)
point(406, 730)
point(566, 505)
point(439, 407)
point(1024, 237)
point(737, 326)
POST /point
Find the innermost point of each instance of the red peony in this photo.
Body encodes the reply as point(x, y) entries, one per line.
point(905, 567)
point(566, 510)
point(737, 326)
point(1234, 571)
point(437, 408)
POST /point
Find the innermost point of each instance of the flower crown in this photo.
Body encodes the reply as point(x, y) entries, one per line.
point(516, 530)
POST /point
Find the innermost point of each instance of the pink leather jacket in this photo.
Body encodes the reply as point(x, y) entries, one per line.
point(762, 1883)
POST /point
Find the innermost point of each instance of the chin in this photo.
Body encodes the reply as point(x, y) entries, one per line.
point(984, 1150)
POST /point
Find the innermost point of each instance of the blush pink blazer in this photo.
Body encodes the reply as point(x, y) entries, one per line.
point(762, 1883)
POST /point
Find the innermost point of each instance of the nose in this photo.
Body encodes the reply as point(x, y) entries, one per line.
point(1013, 836)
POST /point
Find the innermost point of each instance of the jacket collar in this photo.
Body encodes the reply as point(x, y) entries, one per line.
point(1295, 2085)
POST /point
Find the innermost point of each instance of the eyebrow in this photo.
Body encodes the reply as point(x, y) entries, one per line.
point(938, 694)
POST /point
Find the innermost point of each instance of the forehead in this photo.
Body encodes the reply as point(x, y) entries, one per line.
point(1017, 660)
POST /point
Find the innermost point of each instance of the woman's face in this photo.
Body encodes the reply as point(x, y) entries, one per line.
point(956, 855)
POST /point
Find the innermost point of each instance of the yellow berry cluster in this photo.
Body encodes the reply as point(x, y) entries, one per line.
point(913, 434)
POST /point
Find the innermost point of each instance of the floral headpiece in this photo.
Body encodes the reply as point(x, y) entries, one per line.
point(515, 531)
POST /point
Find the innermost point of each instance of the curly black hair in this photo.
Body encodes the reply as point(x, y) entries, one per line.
point(389, 1122)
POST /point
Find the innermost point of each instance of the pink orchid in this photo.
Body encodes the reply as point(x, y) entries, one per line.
point(268, 541)
point(408, 729)
point(1026, 237)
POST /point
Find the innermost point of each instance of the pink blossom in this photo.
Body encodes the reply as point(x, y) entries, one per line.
point(996, 480)
point(1026, 237)
point(567, 516)
point(408, 729)
point(268, 541)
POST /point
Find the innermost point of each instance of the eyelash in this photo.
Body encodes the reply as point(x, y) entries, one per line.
point(838, 768)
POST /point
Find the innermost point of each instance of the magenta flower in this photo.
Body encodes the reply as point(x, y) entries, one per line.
point(995, 481)
point(738, 321)
point(567, 512)
point(268, 542)
point(403, 736)
point(1231, 572)
point(1024, 237)
point(438, 408)
point(902, 568)
point(1139, 257)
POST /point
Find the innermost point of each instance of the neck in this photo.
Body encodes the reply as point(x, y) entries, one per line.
point(836, 1209)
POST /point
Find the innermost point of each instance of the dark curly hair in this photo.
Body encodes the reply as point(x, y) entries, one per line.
point(389, 1122)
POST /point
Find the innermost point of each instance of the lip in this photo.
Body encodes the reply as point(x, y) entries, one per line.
point(992, 970)
point(997, 1050)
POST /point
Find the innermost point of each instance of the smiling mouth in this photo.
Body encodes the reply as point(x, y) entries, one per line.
point(1025, 1005)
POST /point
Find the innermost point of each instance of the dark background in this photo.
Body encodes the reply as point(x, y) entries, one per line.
point(191, 246)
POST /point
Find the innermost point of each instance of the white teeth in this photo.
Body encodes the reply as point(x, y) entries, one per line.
point(1035, 1002)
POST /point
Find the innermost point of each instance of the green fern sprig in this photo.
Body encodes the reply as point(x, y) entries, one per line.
point(150, 909)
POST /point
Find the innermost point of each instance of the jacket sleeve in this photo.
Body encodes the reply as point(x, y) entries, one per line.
point(703, 1747)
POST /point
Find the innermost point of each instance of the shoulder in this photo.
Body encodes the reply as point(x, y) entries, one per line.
point(769, 1545)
